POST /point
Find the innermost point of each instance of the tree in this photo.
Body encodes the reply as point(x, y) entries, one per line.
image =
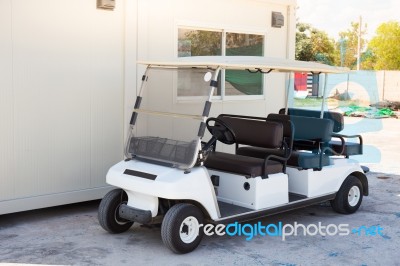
point(368, 60)
point(303, 43)
point(385, 46)
point(314, 45)
point(348, 45)
point(204, 42)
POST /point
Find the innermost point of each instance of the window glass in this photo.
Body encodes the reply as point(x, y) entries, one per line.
point(191, 83)
point(192, 42)
point(199, 42)
point(243, 82)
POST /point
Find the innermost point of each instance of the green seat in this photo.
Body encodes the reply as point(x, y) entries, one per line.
point(311, 140)
point(340, 146)
point(308, 160)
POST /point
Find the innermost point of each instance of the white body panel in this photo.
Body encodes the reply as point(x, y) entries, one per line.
point(175, 184)
point(262, 193)
point(171, 183)
point(315, 183)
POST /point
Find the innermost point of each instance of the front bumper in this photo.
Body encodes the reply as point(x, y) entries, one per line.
point(134, 214)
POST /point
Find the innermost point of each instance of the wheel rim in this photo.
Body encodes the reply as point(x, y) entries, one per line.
point(354, 196)
point(189, 229)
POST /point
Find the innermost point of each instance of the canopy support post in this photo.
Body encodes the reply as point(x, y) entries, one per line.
point(287, 93)
point(324, 95)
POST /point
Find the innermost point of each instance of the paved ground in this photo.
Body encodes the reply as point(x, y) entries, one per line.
point(71, 235)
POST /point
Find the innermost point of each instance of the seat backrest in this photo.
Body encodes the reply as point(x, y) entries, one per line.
point(337, 118)
point(308, 128)
point(255, 131)
point(288, 129)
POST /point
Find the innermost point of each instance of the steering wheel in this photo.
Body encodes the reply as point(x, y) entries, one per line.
point(220, 131)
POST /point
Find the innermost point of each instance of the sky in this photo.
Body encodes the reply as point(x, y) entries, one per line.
point(334, 16)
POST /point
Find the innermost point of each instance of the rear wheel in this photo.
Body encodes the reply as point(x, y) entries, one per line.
point(180, 229)
point(349, 197)
point(108, 213)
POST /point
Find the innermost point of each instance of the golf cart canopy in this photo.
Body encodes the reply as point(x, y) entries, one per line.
point(250, 63)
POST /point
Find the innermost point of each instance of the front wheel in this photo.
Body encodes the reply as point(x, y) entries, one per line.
point(108, 213)
point(180, 229)
point(349, 197)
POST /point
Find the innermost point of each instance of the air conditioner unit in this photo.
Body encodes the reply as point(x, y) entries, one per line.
point(277, 20)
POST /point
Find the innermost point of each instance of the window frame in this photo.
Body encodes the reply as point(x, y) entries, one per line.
point(224, 31)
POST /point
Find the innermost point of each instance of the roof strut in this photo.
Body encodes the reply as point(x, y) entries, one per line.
point(288, 92)
point(259, 70)
point(324, 95)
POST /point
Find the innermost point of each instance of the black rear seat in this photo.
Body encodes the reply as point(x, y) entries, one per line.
point(309, 134)
point(288, 132)
point(255, 132)
point(244, 165)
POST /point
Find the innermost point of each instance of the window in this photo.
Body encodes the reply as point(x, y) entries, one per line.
point(199, 43)
point(194, 42)
point(241, 82)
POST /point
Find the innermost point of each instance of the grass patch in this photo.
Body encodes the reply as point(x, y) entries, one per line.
point(316, 102)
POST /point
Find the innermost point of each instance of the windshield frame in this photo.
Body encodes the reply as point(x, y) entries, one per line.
point(138, 110)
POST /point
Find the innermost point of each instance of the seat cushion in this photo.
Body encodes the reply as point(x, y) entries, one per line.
point(307, 160)
point(259, 152)
point(243, 165)
point(350, 148)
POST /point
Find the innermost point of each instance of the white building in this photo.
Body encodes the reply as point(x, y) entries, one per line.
point(69, 78)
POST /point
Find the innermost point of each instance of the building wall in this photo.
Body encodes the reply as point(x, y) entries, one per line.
point(158, 41)
point(6, 103)
point(367, 87)
point(61, 100)
point(69, 80)
point(391, 86)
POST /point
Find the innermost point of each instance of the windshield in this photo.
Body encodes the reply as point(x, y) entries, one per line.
point(169, 119)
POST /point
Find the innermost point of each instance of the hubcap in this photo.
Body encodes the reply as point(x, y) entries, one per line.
point(189, 229)
point(354, 196)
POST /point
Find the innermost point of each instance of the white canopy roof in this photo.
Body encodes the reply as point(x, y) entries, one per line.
point(251, 63)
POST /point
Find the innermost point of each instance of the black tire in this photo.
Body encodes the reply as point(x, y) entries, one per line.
point(349, 197)
point(108, 212)
point(178, 229)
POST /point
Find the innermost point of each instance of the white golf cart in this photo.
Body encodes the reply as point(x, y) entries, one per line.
point(280, 161)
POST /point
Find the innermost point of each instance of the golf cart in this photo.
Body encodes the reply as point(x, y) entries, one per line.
point(249, 167)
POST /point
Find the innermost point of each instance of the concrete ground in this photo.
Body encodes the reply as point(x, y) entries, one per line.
point(71, 235)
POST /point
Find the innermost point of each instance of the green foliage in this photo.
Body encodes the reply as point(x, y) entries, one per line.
point(204, 42)
point(348, 45)
point(303, 43)
point(368, 60)
point(361, 111)
point(314, 45)
point(385, 46)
